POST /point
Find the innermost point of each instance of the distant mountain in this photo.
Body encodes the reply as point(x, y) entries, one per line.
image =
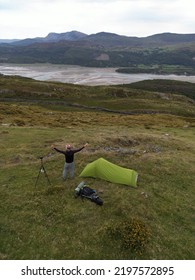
point(102, 49)
point(112, 39)
point(107, 39)
point(170, 38)
point(69, 36)
point(7, 41)
point(52, 37)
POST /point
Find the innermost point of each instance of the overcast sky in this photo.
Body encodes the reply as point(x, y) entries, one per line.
point(36, 18)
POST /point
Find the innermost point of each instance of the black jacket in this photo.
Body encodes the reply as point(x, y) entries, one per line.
point(69, 154)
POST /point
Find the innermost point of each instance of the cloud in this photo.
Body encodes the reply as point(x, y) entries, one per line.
point(22, 18)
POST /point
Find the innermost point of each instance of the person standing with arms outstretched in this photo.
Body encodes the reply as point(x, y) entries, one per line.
point(69, 159)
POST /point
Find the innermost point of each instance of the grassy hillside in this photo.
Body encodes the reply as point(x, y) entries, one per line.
point(164, 96)
point(168, 87)
point(152, 221)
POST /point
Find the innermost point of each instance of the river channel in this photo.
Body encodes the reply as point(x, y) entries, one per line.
point(81, 75)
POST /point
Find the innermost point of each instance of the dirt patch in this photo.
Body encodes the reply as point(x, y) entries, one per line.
point(124, 141)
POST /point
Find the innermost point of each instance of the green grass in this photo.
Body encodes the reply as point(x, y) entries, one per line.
point(48, 222)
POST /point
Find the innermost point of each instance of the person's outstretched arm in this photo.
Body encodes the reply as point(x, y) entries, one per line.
point(78, 150)
point(57, 150)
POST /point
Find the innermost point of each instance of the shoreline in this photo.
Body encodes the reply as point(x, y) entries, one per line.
point(82, 75)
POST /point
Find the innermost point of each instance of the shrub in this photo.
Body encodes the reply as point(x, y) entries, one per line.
point(133, 234)
point(19, 122)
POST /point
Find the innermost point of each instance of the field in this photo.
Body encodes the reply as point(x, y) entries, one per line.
point(150, 132)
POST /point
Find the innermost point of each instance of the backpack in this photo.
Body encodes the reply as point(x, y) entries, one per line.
point(84, 191)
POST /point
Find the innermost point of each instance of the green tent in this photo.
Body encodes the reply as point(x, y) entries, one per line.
point(108, 171)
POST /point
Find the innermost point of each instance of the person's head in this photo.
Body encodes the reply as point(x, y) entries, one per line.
point(68, 147)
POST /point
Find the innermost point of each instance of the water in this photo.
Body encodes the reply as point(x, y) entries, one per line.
point(81, 75)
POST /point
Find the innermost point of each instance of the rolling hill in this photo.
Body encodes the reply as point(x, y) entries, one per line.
point(148, 127)
point(102, 50)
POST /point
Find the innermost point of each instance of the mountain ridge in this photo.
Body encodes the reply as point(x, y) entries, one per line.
point(52, 37)
point(102, 49)
point(166, 37)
